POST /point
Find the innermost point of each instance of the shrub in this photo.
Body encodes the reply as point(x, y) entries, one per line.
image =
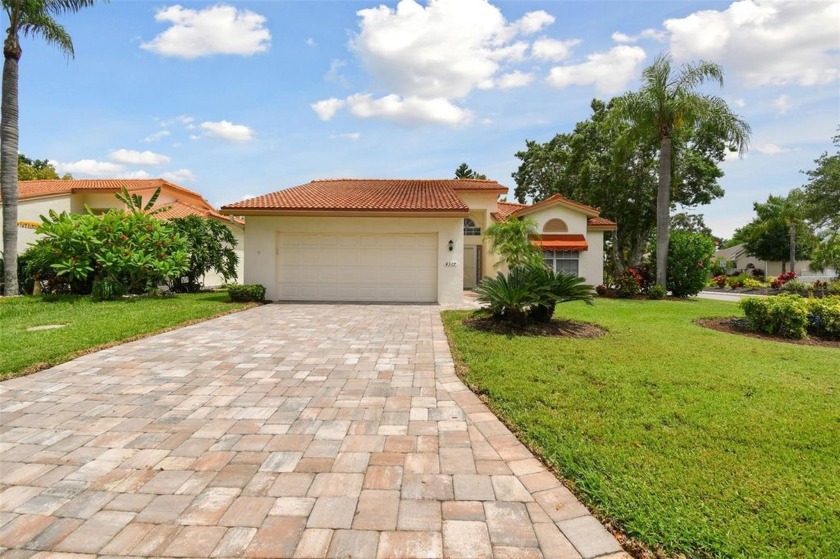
point(782, 279)
point(626, 286)
point(689, 257)
point(784, 314)
point(530, 292)
point(751, 283)
point(656, 292)
point(736, 281)
point(720, 281)
point(834, 287)
point(129, 248)
point(601, 290)
point(795, 286)
point(106, 289)
point(246, 293)
point(757, 273)
point(643, 274)
point(210, 245)
point(824, 317)
point(718, 266)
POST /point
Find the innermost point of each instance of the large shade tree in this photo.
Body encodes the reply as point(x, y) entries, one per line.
point(666, 108)
point(822, 192)
point(26, 18)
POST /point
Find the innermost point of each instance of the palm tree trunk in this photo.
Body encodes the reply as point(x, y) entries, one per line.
point(792, 233)
point(9, 164)
point(663, 211)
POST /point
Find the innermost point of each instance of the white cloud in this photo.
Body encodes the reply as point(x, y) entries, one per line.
point(89, 168)
point(765, 42)
point(334, 73)
point(133, 175)
point(346, 136)
point(655, 34)
point(179, 175)
point(533, 22)
point(310, 42)
point(408, 110)
point(515, 79)
point(326, 108)
point(740, 103)
point(552, 49)
point(227, 130)
point(143, 158)
point(771, 149)
point(218, 29)
point(155, 136)
point(783, 103)
point(609, 72)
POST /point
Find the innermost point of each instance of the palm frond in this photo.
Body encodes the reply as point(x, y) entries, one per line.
point(53, 33)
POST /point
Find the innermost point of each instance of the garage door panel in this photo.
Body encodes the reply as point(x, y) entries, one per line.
point(357, 267)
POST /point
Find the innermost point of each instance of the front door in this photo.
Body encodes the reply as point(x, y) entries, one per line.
point(471, 266)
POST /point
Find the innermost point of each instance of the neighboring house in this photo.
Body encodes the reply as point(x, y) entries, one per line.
point(38, 197)
point(401, 240)
point(742, 262)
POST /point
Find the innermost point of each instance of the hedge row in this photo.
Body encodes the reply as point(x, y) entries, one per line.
point(793, 316)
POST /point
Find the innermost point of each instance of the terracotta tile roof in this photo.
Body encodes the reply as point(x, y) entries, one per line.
point(361, 195)
point(600, 222)
point(477, 184)
point(561, 242)
point(196, 205)
point(560, 199)
point(506, 209)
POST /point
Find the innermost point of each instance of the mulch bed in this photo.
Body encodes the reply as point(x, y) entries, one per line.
point(556, 328)
point(740, 327)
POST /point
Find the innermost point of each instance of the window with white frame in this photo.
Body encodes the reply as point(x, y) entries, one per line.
point(470, 227)
point(565, 261)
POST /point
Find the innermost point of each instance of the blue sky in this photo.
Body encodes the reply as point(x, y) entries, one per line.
point(236, 99)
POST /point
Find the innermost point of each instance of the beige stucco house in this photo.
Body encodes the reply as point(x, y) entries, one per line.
point(400, 240)
point(38, 197)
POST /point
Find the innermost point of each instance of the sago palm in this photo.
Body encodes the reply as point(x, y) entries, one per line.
point(667, 106)
point(28, 18)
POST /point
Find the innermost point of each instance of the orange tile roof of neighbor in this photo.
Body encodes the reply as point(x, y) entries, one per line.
point(196, 205)
point(366, 195)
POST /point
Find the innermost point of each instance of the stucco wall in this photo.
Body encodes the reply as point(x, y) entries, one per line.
point(32, 210)
point(481, 205)
point(261, 239)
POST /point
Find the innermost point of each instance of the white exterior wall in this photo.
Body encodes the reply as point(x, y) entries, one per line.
point(261, 244)
point(481, 205)
point(32, 210)
point(591, 263)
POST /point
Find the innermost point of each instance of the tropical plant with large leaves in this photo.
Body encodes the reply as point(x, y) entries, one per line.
point(34, 18)
point(667, 108)
point(511, 240)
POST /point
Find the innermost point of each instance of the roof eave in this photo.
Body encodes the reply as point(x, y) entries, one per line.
point(326, 212)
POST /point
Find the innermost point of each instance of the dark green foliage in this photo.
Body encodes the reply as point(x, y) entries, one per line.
point(786, 315)
point(132, 249)
point(530, 292)
point(626, 286)
point(822, 192)
point(689, 261)
point(464, 172)
point(106, 289)
point(779, 226)
point(656, 292)
point(247, 293)
point(211, 245)
point(511, 240)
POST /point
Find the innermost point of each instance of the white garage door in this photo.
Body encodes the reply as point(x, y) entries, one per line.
point(355, 267)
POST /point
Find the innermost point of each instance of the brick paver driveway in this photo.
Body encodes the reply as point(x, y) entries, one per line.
point(285, 430)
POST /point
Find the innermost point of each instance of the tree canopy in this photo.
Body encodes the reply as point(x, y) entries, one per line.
point(779, 232)
point(590, 165)
point(822, 191)
point(668, 109)
point(464, 172)
point(38, 169)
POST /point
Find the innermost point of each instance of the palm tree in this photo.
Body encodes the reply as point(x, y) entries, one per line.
point(666, 107)
point(27, 18)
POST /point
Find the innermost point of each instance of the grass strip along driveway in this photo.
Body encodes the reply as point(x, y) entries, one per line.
point(87, 324)
point(690, 440)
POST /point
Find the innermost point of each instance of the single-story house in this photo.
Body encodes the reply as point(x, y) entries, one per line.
point(743, 262)
point(38, 197)
point(401, 240)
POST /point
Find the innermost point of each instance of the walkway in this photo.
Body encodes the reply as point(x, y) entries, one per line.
point(285, 430)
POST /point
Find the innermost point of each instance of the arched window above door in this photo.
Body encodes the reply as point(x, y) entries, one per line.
point(470, 227)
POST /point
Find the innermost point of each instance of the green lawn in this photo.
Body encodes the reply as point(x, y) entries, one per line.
point(692, 441)
point(90, 324)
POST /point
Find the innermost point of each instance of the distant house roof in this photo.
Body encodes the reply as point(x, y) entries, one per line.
point(367, 195)
point(191, 204)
